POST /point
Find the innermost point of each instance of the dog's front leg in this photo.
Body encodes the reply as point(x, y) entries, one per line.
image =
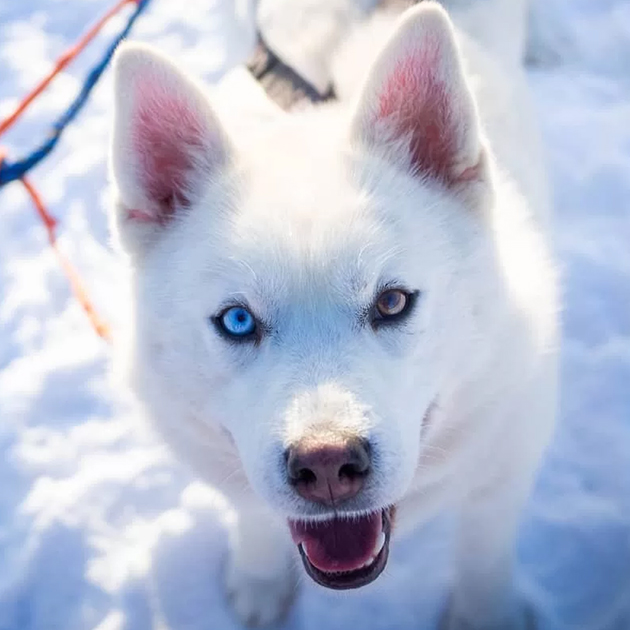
point(483, 596)
point(493, 490)
point(260, 575)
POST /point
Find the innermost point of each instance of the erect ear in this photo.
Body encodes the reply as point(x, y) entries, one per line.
point(167, 143)
point(416, 108)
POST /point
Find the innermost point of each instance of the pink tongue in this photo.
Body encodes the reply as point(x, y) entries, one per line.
point(338, 545)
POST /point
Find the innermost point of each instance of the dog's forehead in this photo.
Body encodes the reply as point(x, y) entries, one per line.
point(318, 223)
point(313, 187)
point(307, 214)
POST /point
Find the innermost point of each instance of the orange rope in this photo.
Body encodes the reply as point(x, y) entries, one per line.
point(100, 327)
point(61, 63)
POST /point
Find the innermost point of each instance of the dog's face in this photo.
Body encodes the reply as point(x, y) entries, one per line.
point(306, 296)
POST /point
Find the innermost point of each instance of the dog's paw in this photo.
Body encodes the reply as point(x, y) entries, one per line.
point(260, 601)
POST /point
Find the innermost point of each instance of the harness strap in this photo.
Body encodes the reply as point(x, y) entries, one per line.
point(286, 87)
point(283, 85)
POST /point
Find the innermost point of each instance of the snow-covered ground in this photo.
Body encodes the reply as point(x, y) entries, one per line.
point(99, 528)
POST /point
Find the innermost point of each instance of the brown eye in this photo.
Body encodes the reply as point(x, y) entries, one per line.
point(391, 303)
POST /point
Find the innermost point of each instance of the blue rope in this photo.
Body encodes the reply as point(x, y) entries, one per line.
point(10, 171)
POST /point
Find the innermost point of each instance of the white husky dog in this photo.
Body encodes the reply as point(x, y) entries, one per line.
point(345, 318)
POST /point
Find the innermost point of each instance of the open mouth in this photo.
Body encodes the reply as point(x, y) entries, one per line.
point(344, 553)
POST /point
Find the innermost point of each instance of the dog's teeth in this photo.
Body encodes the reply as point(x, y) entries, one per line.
point(305, 549)
point(369, 561)
point(380, 543)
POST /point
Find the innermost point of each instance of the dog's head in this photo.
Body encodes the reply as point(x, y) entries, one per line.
point(308, 291)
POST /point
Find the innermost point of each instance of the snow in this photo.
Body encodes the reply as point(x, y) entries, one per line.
point(100, 529)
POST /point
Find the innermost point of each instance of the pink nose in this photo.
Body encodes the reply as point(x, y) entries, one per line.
point(328, 473)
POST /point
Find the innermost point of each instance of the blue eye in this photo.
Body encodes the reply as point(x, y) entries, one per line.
point(237, 322)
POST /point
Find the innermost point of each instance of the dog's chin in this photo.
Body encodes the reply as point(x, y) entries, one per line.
point(344, 553)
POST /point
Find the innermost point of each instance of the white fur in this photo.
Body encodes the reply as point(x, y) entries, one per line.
point(304, 33)
point(302, 217)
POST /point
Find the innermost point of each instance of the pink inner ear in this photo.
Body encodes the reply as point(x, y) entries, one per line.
point(169, 138)
point(415, 103)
